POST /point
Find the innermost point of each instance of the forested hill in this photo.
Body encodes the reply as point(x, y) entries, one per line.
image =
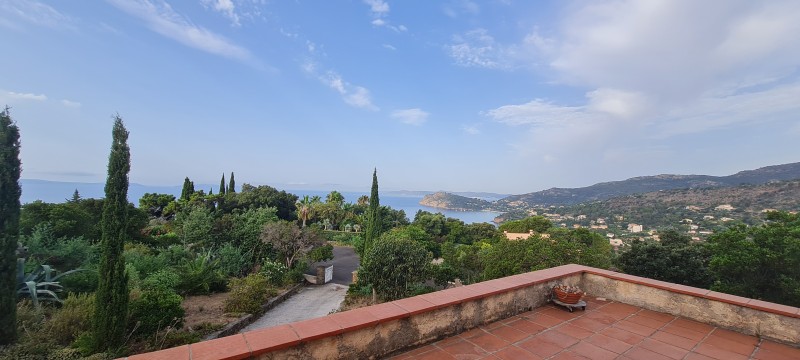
point(646, 184)
point(450, 201)
point(669, 207)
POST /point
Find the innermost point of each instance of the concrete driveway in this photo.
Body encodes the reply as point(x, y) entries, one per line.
point(314, 300)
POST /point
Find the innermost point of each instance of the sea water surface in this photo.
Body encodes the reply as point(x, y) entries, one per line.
point(409, 204)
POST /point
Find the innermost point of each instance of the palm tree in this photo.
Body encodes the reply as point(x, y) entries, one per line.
point(304, 209)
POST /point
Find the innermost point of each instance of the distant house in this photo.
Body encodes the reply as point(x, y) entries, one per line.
point(726, 219)
point(635, 228)
point(599, 226)
point(615, 242)
point(580, 217)
point(724, 207)
point(693, 227)
point(576, 226)
point(687, 221)
point(619, 218)
point(601, 220)
point(708, 217)
point(523, 236)
point(693, 208)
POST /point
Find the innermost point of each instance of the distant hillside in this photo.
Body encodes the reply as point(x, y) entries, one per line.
point(707, 206)
point(454, 202)
point(645, 184)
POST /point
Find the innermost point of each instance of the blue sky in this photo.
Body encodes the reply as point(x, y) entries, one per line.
point(499, 96)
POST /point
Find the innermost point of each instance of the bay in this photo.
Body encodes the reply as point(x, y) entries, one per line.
point(408, 203)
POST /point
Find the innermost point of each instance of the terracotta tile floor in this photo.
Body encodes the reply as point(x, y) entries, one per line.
point(606, 330)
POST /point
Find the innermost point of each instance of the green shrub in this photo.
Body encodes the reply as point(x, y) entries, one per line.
point(143, 260)
point(393, 266)
point(274, 271)
point(168, 239)
point(165, 279)
point(175, 255)
point(73, 319)
point(232, 260)
point(201, 275)
point(80, 282)
point(248, 294)
point(155, 310)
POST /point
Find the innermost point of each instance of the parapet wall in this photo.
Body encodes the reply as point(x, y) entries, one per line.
point(380, 330)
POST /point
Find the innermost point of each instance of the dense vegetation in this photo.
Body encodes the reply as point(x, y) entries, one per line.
point(10, 191)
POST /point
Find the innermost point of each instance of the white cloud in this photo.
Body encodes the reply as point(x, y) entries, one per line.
point(72, 104)
point(353, 95)
point(162, 19)
point(390, 47)
point(471, 129)
point(378, 22)
point(12, 12)
point(454, 8)
point(26, 96)
point(650, 70)
point(225, 7)
point(414, 116)
point(477, 48)
point(378, 7)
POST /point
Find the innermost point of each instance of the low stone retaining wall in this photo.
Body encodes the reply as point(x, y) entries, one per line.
point(242, 322)
point(384, 329)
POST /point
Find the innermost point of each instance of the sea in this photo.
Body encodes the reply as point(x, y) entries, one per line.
point(409, 203)
point(56, 192)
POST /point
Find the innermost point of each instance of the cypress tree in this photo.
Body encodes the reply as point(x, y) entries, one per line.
point(111, 306)
point(222, 185)
point(10, 191)
point(232, 186)
point(187, 190)
point(373, 228)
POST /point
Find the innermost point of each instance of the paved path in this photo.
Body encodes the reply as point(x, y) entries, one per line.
point(345, 261)
point(314, 300)
point(310, 302)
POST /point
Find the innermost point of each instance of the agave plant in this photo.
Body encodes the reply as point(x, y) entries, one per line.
point(40, 284)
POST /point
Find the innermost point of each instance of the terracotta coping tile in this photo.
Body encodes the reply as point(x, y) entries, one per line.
point(387, 311)
point(317, 328)
point(414, 305)
point(773, 308)
point(270, 339)
point(727, 298)
point(176, 353)
point(355, 319)
point(232, 347)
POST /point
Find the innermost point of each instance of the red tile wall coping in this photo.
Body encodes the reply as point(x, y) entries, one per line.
point(254, 343)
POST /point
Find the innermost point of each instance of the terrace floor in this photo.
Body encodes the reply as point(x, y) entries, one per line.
point(606, 330)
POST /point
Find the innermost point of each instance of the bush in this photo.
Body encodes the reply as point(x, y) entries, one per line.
point(232, 261)
point(80, 282)
point(155, 310)
point(168, 239)
point(201, 275)
point(393, 266)
point(274, 272)
point(248, 294)
point(73, 319)
point(165, 279)
point(143, 260)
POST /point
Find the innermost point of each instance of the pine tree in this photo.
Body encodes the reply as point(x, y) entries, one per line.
point(222, 185)
point(188, 189)
point(373, 228)
point(76, 197)
point(111, 309)
point(232, 186)
point(10, 191)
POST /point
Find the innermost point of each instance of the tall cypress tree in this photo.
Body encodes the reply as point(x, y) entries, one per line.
point(373, 228)
point(222, 185)
point(10, 191)
point(111, 306)
point(186, 191)
point(232, 186)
